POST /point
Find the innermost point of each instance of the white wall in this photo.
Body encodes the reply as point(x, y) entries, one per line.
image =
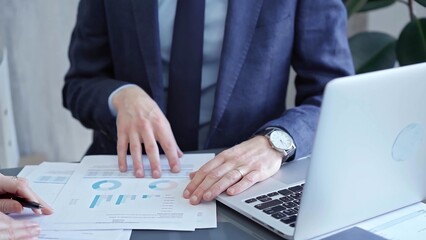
point(36, 34)
point(392, 19)
point(9, 153)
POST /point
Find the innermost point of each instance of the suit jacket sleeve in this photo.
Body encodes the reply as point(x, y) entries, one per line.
point(320, 54)
point(88, 82)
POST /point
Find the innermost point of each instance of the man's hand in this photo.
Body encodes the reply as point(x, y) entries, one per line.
point(13, 229)
point(234, 170)
point(140, 120)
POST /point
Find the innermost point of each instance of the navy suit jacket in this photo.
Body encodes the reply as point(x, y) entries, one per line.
point(117, 42)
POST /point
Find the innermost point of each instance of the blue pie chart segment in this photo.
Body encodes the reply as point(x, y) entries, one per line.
point(163, 185)
point(106, 185)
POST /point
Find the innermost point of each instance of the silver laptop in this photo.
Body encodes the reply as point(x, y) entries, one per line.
point(369, 158)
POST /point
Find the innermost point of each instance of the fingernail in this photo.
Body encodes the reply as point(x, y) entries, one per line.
point(122, 169)
point(156, 174)
point(35, 231)
point(31, 224)
point(186, 194)
point(139, 173)
point(176, 169)
point(231, 190)
point(194, 199)
point(207, 196)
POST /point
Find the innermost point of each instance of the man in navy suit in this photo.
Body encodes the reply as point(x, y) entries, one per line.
point(121, 55)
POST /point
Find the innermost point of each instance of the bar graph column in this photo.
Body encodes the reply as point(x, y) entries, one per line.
point(122, 199)
point(100, 198)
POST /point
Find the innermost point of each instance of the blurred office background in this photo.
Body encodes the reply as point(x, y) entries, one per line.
point(34, 35)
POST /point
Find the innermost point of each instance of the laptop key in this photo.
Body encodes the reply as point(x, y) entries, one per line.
point(260, 197)
point(285, 192)
point(296, 195)
point(286, 199)
point(293, 225)
point(278, 215)
point(269, 204)
point(250, 200)
point(296, 188)
point(290, 211)
point(289, 204)
point(289, 220)
point(265, 199)
point(274, 209)
point(272, 194)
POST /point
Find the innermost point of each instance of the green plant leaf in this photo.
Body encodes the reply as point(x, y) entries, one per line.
point(376, 4)
point(353, 6)
point(372, 51)
point(421, 2)
point(411, 46)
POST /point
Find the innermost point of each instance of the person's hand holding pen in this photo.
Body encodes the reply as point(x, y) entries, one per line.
point(15, 194)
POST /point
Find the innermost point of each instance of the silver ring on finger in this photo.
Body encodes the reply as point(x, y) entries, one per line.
point(239, 170)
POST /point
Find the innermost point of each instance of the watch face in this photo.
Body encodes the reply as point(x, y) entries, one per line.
point(281, 140)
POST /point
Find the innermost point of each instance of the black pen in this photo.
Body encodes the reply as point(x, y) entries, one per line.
point(26, 203)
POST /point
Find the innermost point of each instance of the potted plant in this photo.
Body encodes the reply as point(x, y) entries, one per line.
point(373, 51)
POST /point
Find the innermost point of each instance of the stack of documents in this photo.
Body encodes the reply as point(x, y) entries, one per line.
point(94, 200)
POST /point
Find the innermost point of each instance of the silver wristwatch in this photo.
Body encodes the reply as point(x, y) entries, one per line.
point(281, 141)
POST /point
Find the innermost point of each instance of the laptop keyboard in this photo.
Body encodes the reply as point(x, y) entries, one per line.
point(282, 205)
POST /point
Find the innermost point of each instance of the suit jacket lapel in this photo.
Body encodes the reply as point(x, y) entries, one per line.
point(239, 28)
point(146, 22)
point(240, 24)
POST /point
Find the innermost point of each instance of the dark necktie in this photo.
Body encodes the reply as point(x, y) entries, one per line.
point(186, 59)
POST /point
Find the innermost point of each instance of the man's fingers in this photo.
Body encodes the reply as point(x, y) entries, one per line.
point(205, 177)
point(170, 148)
point(174, 162)
point(152, 153)
point(224, 183)
point(173, 156)
point(201, 174)
point(136, 153)
point(215, 182)
point(180, 153)
point(122, 143)
point(10, 206)
point(247, 181)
